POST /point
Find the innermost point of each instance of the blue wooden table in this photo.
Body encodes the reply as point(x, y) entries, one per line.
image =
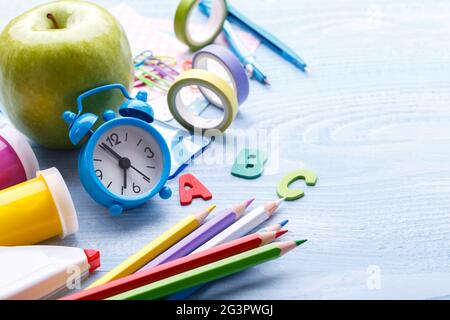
point(372, 119)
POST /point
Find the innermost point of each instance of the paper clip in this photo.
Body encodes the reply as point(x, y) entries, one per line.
point(164, 64)
point(153, 70)
point(187, 65)
point(140, 59)
point(167, 63)
point(151, 79)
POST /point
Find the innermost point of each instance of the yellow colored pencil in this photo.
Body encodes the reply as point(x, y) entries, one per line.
point(155, 247)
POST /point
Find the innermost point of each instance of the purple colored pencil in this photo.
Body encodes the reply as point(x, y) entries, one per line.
point(201, 235)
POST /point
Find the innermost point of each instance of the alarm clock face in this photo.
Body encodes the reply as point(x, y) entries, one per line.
point(128, 161)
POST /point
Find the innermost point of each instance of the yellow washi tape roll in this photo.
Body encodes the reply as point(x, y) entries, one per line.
point(208, 81)
point(187, 32)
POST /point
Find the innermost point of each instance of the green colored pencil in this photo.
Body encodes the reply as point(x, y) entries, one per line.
point(209, 272)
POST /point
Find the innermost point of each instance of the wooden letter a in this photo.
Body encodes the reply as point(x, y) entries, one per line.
point(191, 188)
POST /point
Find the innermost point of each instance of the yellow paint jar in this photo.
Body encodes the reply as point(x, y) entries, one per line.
point(36, 210)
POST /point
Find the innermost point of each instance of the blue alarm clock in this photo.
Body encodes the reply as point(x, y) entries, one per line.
point(126, 161)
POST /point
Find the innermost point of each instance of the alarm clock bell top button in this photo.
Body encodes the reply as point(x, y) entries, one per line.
point(79, 126)
point(109, 115)
point(69, 117)
point(142, 96)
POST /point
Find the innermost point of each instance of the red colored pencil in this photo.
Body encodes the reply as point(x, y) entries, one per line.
point(176, 266)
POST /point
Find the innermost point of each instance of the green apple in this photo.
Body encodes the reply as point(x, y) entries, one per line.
point(53, 53)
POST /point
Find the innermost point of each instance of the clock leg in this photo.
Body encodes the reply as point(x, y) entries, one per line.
point(115, 210)
point(165, 193)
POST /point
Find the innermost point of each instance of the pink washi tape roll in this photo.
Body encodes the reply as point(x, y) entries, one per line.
point(18, 162)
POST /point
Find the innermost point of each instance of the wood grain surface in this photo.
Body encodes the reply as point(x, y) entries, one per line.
point(372, 119)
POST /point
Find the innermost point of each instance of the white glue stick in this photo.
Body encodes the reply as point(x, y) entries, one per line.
point(40, 272)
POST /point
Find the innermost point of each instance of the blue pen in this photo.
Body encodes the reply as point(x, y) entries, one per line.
point(245, 56)
point(239, 49)
point(267, 38)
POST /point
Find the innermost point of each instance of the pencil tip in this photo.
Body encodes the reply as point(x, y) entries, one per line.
point(202, 215)
point(299, 242)
point(249, 202)
point(267, 83)
point(240, 209)
point(273, 206)
point(283, 223)
point(280, 233)
point(306, 69)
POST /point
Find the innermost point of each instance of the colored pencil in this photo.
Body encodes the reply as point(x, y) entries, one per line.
point(209, 272)
point(243, 226)
point(183, 295)
point(155, 247)
point(275, 227)
point(176, 266)
point(201, 235)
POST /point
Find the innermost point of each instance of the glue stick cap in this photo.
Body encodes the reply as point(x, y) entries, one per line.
point(93, 258)
point(21, 147)
point(63, 200)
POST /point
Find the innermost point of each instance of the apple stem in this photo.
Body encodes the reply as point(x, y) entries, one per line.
point(52, 18)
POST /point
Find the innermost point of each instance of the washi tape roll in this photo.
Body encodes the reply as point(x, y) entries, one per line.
point(206, 80)
point(189, 33)
point(224, 63)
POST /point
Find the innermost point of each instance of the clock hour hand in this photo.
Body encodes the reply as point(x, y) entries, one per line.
point(125, 178)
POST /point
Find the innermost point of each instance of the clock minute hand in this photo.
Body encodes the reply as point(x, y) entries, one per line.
point(115, 154)
point(134, 168)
